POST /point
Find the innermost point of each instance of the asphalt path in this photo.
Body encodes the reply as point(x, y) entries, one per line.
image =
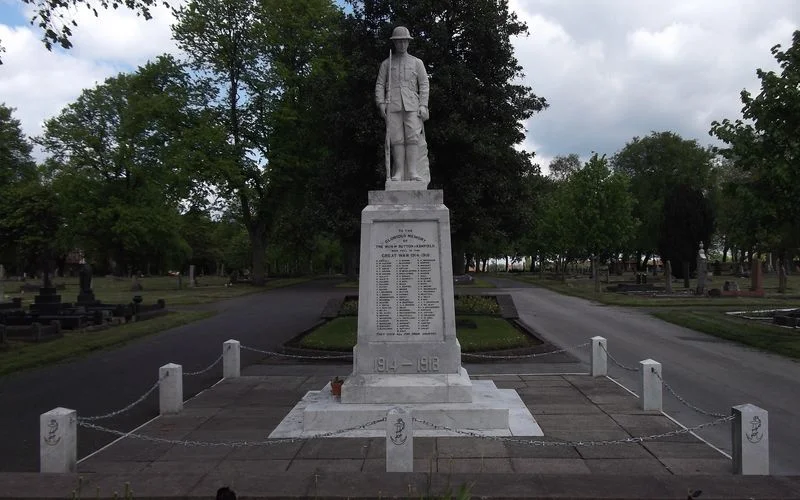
point(711, 373)
point(106, 381)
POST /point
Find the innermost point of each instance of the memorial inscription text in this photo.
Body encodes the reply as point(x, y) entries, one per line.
point(407, 281)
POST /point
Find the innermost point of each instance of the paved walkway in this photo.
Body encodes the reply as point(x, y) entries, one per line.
point(710, 372)
point(569, 408)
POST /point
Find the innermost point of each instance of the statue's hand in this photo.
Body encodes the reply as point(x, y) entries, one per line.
point(382, 108)
point(423, 113)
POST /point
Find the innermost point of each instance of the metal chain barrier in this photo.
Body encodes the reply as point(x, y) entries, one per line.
point(232, 444)
point(613, 360)
point(123, 410)
point(690, 405)
point(295, 356)
point(204, 370)
point(523, 356)
point(531, 442)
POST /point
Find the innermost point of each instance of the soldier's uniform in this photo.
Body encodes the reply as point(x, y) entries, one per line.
point(409, 92)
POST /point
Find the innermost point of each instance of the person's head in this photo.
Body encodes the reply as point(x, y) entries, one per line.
point(226, 493)
point(401, 38)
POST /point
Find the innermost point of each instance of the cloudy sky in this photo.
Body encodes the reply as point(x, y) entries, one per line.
point(611, 70)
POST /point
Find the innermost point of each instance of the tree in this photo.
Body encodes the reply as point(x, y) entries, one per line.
point(17, 171)
point(124, 158)
point(56, 21)
point(477, 109)
point(655, 165)
point(688, 219)
point(563, 166)
point(764, 147)
point(258, 55)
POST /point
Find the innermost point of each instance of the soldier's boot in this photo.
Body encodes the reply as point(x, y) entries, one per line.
point(398, 161)
point(412, 157)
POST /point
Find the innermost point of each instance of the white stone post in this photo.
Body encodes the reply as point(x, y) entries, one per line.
point(750, 440)
point(231, 359)
point(650, 385)
point(599, 357)
point(170, 389)
point(399, 441)
point(58, 448)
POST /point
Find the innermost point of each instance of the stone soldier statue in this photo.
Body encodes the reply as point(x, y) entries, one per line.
point(401, 93)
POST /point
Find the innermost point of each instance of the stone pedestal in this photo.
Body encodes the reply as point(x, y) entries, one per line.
point(47, 302)
point(407, 354)
point(407, 350)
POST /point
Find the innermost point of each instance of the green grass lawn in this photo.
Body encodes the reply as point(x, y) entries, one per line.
point(16, 356)
point(771, 338)
point(489, 334)
point(113, 290)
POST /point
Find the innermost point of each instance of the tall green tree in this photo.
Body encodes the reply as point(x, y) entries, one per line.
point(763, 145)
point(688, 220)
point(477, 109)
point(124, 157)
point(259, 56)
point(19, 180)
point(655, 165)
point(563, 166)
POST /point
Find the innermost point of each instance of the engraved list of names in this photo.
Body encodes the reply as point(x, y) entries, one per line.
point(407, 281)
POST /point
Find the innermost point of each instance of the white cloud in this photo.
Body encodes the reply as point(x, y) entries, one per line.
point(617, 69)
point(39, 83)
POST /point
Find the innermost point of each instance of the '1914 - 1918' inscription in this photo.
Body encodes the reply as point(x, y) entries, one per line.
point(407, 280)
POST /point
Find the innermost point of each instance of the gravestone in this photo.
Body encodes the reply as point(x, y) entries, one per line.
point(86, 295)
point(756, 277)
point(702, 262)
point(668, 276)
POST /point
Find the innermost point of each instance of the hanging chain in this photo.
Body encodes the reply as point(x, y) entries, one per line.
point(296, 356)
point(204, 370)
point(123, 410)
point(617, 362)
point(523, 356)
point(682, 400)
point(232, 444)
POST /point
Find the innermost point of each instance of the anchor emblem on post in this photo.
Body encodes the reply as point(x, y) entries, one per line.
point(52, 439)
point(755, 435)
point(399, 436)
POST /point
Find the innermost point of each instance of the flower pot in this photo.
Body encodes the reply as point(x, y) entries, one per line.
point(336, 388)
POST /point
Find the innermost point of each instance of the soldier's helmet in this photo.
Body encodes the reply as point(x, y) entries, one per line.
point(401, 33)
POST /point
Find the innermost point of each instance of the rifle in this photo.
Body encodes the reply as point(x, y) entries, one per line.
point(388, 146)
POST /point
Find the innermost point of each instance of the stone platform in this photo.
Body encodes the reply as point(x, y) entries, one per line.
point(493, 412)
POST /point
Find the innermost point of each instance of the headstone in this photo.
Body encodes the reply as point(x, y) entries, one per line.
point(702, 270)
point(668, 276)
point(86, 295)
point(191, 275)
point(756, 277)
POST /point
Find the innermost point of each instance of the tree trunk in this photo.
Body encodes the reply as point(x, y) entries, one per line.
point(351, 258)
point(258, 275)
point(506, 263)
point(686, 275)
point(458, 258)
